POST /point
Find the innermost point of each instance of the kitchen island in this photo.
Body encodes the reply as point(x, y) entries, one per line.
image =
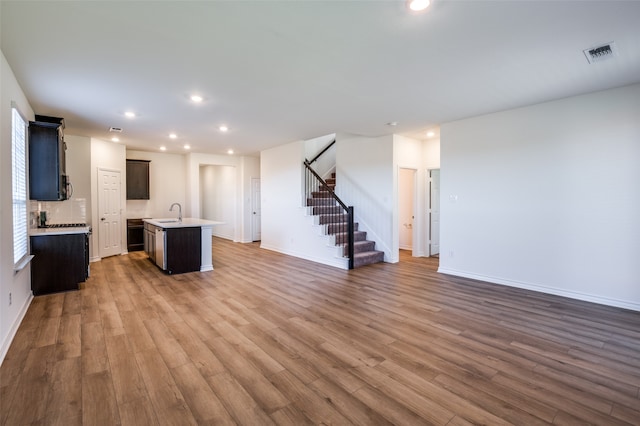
point(179, 246)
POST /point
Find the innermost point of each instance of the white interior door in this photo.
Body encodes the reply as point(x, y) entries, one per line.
point(256, 231)
point(434, 203)
point(406, 195)
point(109, 212)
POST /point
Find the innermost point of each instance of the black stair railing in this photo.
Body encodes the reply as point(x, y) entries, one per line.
point(325, 149)
point(333, 212)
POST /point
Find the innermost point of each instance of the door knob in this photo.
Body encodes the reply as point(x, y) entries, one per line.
point(102, 218)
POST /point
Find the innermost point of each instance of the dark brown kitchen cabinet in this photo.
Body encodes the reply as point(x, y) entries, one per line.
point(135, 235)
point(60, 262)
point(137, 179)
point(183, 249)
point(47, 160)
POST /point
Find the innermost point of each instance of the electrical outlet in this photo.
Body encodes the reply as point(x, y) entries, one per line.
point(9, 299)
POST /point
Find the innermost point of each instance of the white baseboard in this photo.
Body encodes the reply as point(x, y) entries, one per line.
point(341, 263)
point(14, 328)
point(545, 289)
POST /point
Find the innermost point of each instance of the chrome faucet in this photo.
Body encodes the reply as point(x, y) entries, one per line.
point(179, 210)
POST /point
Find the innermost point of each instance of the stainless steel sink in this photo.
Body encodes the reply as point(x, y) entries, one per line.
point(168, 221)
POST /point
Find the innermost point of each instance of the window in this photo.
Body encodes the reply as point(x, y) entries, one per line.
point(19, 185)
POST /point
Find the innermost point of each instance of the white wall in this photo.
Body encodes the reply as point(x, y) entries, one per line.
point(79, 171)
point(167, 185)
point(286, 227)
point(431, 152)
point(110, 156)
point(547, 197)
point(19, 285)
point(366, 179)
point(218, 198)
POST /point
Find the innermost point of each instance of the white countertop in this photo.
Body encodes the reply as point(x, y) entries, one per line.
point(187, 222)
point(35, 232)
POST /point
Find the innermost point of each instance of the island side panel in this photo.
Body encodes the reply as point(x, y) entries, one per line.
point(206, 263)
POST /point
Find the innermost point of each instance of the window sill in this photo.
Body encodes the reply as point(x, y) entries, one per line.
point(22, 264)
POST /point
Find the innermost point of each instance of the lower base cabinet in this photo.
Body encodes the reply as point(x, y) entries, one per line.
point(150, 241)
point(60, 262)
point(135, 235)
point(183, 248)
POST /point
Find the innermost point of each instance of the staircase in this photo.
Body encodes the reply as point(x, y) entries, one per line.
point(332, 216)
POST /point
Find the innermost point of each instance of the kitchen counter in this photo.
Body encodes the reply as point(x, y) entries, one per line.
point(187, 222)
point(34, 232)
point(157, 245)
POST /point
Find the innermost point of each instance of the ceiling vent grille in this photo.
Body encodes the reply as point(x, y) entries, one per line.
point(115, 129)
point(601, 53)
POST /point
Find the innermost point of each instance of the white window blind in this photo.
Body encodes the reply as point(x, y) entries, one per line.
point(19, 185)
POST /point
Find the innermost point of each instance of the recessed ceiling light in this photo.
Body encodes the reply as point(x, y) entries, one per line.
point(430, 134)
point(223, 128)
point(115, 139)
point(130, 114)
point(173, 135)
point(187, 146)
point(418, 5)
point(196, 98)
point(392, 123)
point(163, 148)
point(230, 152)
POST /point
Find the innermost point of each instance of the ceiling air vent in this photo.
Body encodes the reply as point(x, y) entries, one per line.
point(601, 53)
point(115, 129)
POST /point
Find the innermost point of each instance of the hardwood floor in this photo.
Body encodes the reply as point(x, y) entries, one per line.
point(270, 339)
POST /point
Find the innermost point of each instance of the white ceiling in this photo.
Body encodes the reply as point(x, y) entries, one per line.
point(279, 71)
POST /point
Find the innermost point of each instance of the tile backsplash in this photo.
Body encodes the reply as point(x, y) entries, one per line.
point(68, 211)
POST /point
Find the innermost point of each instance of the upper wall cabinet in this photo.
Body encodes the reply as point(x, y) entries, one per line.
point(137, 179)
point(47, 160)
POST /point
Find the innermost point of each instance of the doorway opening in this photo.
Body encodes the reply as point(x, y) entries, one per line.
point(406, 209)
point(218, 198)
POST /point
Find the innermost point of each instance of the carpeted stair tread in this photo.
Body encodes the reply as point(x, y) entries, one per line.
point(342, 237)
point(367, 258)
point(360, 247)
point(317, 210)
point(321, 202)
point(335, 228)
point(321, 194)
point(333, 218)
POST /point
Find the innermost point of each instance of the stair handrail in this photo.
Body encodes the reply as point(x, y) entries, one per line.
point(326, 148)
point(347, 209)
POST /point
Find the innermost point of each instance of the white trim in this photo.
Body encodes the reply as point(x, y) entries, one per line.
point(339, 262)
point(14, 329)
point(22, 263)
point(544, 289)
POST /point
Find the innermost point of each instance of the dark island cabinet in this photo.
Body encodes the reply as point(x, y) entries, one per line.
point(137, 179)
point(60, 262)
point(183, 250)
point(47, 160)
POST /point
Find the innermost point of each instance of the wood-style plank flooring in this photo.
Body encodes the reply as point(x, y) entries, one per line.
point(271, 339)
